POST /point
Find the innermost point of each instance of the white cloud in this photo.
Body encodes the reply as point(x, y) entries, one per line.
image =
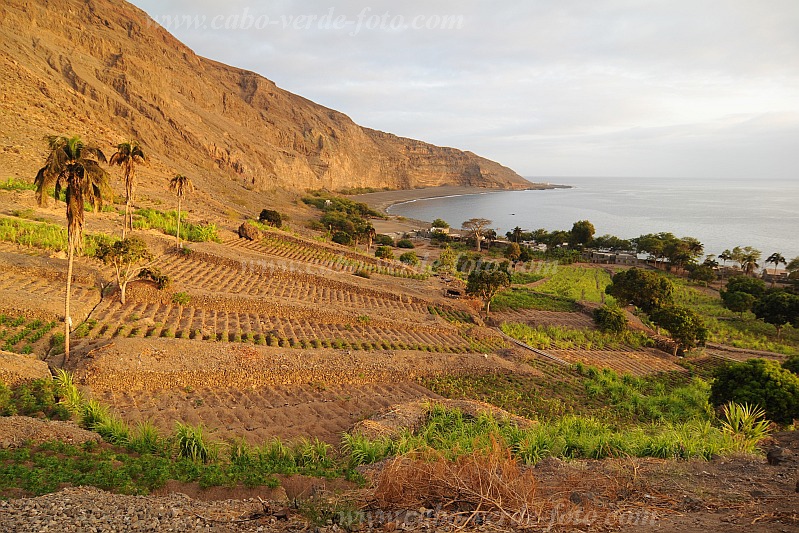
point(606, 87)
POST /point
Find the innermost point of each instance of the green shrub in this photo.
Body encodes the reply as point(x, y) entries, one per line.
point(610, 319)
point(271, 217)
point(181, 298)
point(145, 438)
point(161, 281)
point(93, 413)
point(383, 240)
point(758, 382)
point(409, 258)
point(363, 451)
point(113, 430)
point(191, 443)
point(361, 273)
point(746, 424)
point(68, 393)
point(384, 252)
point(405, 243)
point(341, 237)
point(792, 364)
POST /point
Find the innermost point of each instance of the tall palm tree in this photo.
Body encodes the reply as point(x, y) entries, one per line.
point(725, 256)
point(74, 167)
point(776, 258)
point(517, 234)
point(749, 261)
point(128, 154)
point(181, 185)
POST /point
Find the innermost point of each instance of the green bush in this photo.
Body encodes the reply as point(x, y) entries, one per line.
point(271, 217)
point(746, 424)
point(610, 319)
point(384, 252)
point(409, 258)
point(383, 240)
point(405, 243)
point(192, 443)
point(758, 382)
point(154, 274)
point(342, 237)
point(792, 364)
point(181, 298)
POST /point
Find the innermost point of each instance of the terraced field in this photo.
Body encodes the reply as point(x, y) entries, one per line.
point(169, 320)
point(321, 256)
point(196, 273)
point(536, 317)
point(21, 335)
point(642, 362)
point(258, 415)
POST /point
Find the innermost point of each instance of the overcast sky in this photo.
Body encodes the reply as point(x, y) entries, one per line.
point(684, 88)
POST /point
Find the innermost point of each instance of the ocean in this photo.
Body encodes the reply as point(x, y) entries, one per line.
point(720, 213)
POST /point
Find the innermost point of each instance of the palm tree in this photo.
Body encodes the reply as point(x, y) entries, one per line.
point(128, 154)
point(371, 233)
point(181, 185)
point(517, 234)
point(725, 256)
point(776, 258)
point(75, 168)
point(749, 261)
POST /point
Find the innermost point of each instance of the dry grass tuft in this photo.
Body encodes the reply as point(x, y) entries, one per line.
point(482, 483)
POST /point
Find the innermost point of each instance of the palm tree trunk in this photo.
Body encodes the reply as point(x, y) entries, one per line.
point(67, 319)
point(177, 233)
point(127, 216)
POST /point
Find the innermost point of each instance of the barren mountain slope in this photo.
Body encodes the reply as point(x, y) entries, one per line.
point(106, 71)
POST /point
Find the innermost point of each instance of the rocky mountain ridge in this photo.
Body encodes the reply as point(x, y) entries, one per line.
point(103, 69)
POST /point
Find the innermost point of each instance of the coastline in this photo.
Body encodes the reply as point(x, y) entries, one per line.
point(383, 200)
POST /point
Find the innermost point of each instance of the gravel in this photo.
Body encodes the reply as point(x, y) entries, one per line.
point(88, 509)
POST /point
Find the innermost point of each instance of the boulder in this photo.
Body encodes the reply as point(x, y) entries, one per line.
point(249, 232)
point(777, 456)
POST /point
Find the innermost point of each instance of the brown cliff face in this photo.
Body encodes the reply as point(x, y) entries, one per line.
point(104, 70)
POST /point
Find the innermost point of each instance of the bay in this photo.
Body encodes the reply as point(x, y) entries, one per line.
point(720, 213)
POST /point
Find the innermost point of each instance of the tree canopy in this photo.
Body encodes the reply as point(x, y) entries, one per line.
point(581, 234)
point(124, 257)
point(778, 308)
point(644, 289)
point(484, 284)
point(476, 226)
point(684, 325)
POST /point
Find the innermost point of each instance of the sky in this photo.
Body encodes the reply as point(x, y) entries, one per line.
point(640, 88)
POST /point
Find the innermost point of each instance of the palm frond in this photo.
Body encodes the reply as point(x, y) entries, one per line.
point(116, 159)
point(43, 181)
point(92, 151)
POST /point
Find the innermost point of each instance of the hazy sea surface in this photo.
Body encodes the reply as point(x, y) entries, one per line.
point(720, 213)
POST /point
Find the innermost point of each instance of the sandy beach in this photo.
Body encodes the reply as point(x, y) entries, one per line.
point(382, 200)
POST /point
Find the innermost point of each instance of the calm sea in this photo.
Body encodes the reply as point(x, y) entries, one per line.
point(720, 213)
